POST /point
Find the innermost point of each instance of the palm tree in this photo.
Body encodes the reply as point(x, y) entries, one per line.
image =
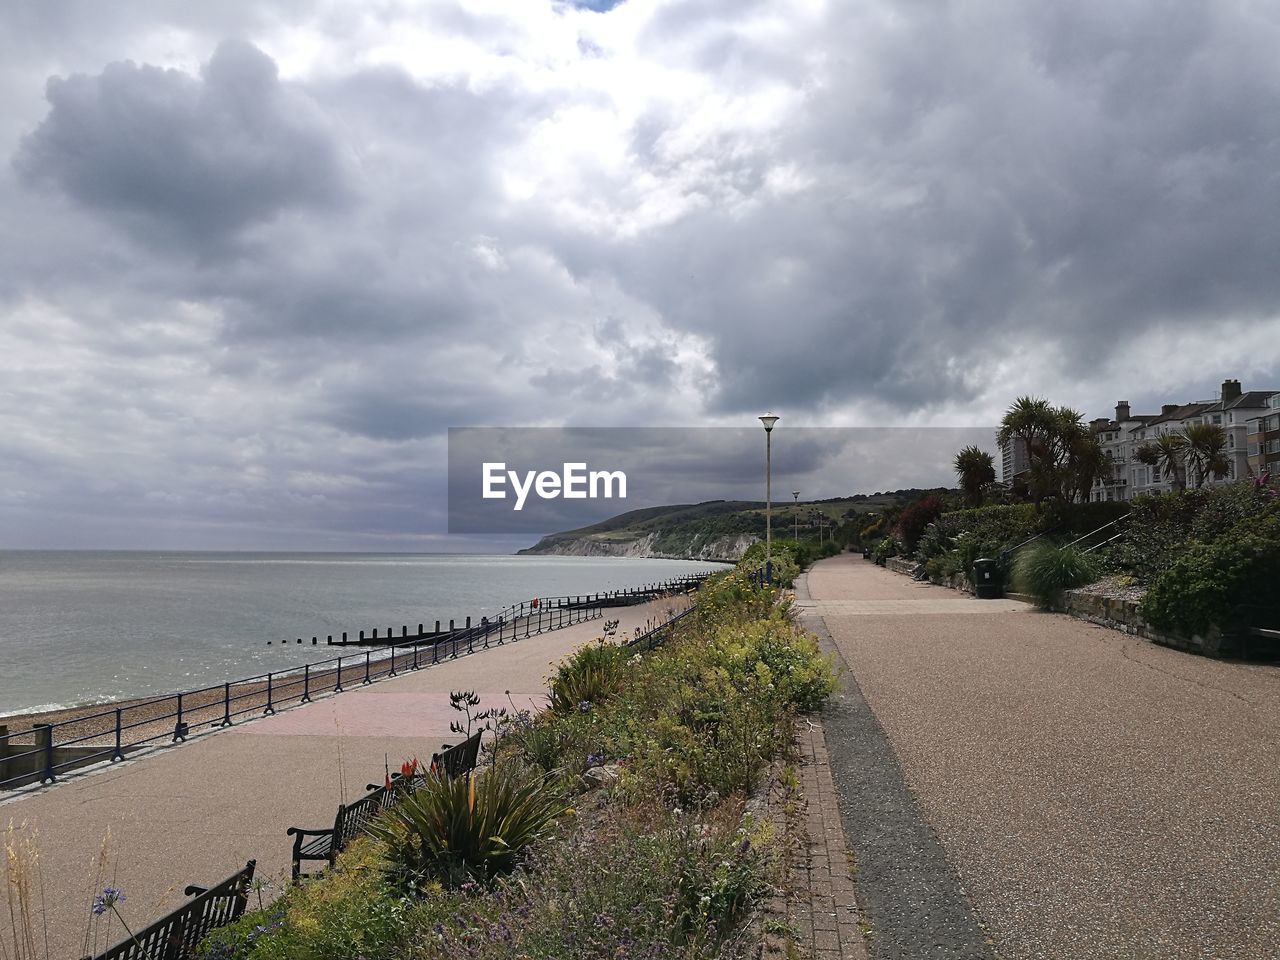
point(977, 471)
point(1064, 455)
point(1033, 422)
point(1206, 452)
point(1168, 454)
point(1087, 463)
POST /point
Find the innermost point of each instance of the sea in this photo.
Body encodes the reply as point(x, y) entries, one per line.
point(85, 627)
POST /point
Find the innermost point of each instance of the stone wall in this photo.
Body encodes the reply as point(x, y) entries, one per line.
point(909, 567)
point(1114, 612)
point(1121, 614)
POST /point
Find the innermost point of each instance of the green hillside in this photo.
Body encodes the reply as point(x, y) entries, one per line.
point(715, 529)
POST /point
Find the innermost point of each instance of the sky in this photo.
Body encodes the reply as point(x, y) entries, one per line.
point(257, 258)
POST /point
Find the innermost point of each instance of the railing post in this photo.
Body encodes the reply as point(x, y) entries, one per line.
point(415, 651)
point(393, 662)
point(368, 658)
point(306, 684)
point(118, 754)
point(180, 725)
point(338, 686)
point(270, 707)
point(226, 706)
point(44, 742)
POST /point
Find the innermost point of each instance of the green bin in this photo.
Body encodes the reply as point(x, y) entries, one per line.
point(986, 579)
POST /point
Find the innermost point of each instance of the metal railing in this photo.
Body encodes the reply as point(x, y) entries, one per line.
point(47, 750)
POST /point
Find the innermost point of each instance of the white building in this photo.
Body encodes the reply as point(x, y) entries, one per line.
point(1121, 437)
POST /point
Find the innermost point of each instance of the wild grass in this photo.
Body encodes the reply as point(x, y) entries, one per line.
point(1044, 569)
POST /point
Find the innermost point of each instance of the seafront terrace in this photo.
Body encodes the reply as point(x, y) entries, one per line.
point(196, 812)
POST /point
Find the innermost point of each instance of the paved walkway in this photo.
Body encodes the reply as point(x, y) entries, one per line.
point(197, 811)
point(1073, 792)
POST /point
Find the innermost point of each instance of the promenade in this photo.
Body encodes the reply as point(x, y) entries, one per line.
point(1019, 784)
point(196, 812)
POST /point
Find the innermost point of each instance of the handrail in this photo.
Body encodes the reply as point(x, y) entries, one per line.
point(1101, 528)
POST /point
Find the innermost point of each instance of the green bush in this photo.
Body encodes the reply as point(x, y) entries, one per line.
point(590, 676)
point(1042, 569)
point(1208, 580)
point(785, 568)
point(885, 549)
point(452, 830)
point(663, 884)
point(1161, 528)
point(347, 914)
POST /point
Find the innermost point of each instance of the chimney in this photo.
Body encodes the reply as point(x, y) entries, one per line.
point(1122, 411)
point(1167, 409)
point(1230, 390)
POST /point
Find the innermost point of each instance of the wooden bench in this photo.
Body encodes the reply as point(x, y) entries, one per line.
point(458, 759)
point(354, 819)
point(351, 821)
point(176, 936)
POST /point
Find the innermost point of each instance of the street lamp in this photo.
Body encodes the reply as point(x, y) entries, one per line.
point(795, 517)
point(768, 420)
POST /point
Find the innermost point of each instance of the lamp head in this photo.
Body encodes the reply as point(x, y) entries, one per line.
point(769, 420)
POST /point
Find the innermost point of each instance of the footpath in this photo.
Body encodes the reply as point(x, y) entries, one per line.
point(1019, 784)
point(196, 812)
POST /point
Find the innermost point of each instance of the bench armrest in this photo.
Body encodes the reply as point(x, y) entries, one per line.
point(299, 832)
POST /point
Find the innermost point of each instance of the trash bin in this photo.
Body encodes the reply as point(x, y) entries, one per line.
point(986, 580)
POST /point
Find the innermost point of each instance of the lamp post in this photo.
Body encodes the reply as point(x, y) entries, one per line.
point(768, 420)
point(795, 517)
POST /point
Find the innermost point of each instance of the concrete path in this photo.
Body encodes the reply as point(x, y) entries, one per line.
point(197, 811)
point(1093, 795)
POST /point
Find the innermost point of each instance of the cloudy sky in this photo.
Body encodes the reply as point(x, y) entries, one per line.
point(256, 258)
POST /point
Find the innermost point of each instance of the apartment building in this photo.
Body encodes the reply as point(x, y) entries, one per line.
point(1234, 410)
point(1014, 460)
point(1264, 439)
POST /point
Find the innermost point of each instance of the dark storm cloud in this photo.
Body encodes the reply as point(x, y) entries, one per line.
point(245, 284)
point(988, 173)
point(175, 155)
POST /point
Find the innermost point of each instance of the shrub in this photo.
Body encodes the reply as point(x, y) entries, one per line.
point(590, 676)
point(913, 520)
point(785, 568)
point(885, 549)
point(670, 884)
point(1202, 587)
point(347, 914)
point(1161, 528)
point(451, 830)
point(1042, 569)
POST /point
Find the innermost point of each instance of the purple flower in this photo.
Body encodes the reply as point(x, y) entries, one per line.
point(584, 705)
point(107, 900)
point(594, 760)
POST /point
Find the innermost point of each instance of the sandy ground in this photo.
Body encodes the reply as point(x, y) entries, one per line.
point(1099, 796)
point(196, 812)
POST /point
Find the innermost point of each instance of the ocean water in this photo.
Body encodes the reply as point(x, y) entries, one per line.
point(88, 627)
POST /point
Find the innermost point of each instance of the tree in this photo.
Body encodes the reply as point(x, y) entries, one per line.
point(977, 471)
point(1206, 452)
point(1167, 453)
point(1064, 455)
